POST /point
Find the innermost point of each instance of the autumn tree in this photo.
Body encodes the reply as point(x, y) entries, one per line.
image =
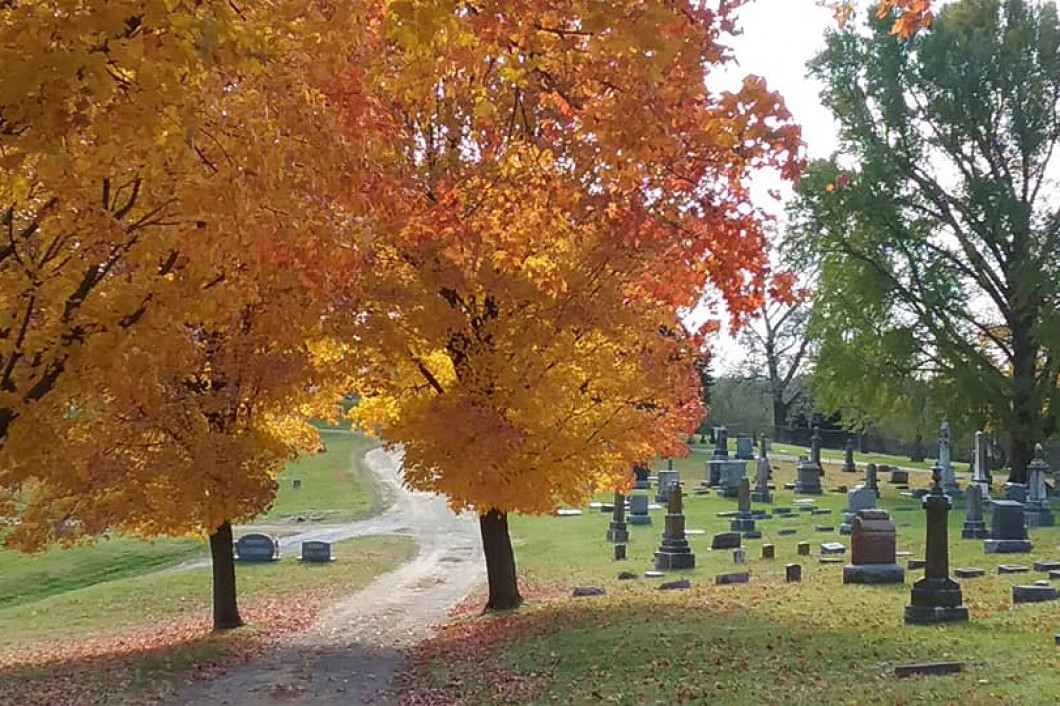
point(165, 165)
point(577, 187)
point(935, 226)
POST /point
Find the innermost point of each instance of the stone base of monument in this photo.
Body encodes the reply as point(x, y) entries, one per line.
point(936, 600)
point(974, 529)
point(762, 497)
point(1038, 516)
point(742, 523)
point(640, 519)
point(642, 485)
point(752, 534)
point(671, 557)
point(618, 533)
point(873, 573)
point(1007, 546)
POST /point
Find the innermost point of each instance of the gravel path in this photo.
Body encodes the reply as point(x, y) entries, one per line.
point(358, 644)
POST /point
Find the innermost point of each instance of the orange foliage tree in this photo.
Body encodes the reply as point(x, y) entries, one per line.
point(163, 162)
point(577, 186)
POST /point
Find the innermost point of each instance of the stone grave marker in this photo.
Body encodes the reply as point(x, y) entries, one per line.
point(642, 480)
point(617, 531)
point(620, 552)
point(1037, 511)
point(1005, 569)
point(1046, 565)
point(860, 498)
point(899, 477)
point(808, 472)
point(949, 477)
point(769, 551)
point(1034, 594)
point(848, 456)
point(936, 598)
point(793, 573)
point(745, 448)
point(678, 585)
point(969, 573)
point(1008, 529)
point(1016, 492)
point(316, 552)
point(744, 521)
point(731, 578)
point(739, 556)
point(257, 548)
point(721, 443)
point(732, 472)
point(674, 552)
point(762, 493)
point(638, 510)
point(832, 548)
point(726, 540)
point(803, 548)
point(667, 479)
point(872, 550)
point(974, 525)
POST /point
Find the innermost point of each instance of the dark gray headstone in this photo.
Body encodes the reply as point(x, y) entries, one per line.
point(969, 573)
point(726, 540)
point(1034, 594)
point(793, 573)
point(679, 585)
point(315, 551)
point(586, 591)
point(736, 577)
point(257, 548)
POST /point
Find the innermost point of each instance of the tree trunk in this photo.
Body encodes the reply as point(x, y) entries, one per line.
point(225, 609)
point(780, 410)
point(500, 561)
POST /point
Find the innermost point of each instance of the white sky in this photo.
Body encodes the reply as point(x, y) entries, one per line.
point(779, 38)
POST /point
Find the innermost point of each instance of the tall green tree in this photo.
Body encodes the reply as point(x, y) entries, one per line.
point(937, 225)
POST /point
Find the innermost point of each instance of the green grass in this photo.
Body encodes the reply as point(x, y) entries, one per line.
point(121, 604)
point(765, 642)
point(838, 456)
point(34, 577)
point(334, 487)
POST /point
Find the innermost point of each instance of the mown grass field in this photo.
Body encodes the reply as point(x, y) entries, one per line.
point(814, 642)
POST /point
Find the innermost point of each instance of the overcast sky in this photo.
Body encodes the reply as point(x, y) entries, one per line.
point(779, 37)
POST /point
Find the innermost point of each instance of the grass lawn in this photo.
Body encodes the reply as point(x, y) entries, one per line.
point(814, 642)
point(130, 640)
point(838, 456)
point(34, 577)
point(334, 487)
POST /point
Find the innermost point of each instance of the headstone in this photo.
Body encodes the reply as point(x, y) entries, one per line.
point(762, 493)
point(744, 521)
point(860, 498)
point(653, 574)
point(726, 540)
point(980, 473)
point(1008, 529)
point(620, 552)
point(1046, 565)
point(969, 573)
point(1034, 594)
point(848, 456)
point(873, 543)
point(786, 531)
point(1004, 569)
point(641, 474)
point(568, 512)
point(731, 578)
point(793, 573)
point(626, 576)
point(732, 472)
point(936, 598)
point(803, 548)
point(974, 525)
point(916, 564)
point(1037, 510)
point(1016, 492)
point(745, 448)
point(808, 472)
point(667, 479)
point(871, 480)
point(256, 548)
point(617, 531)
point(712, 476)
point(316, 552)
point(679, 585)
point(674, 552)
point(721, 443)
point(739, 556)
point(832, 548)
point(928, 669)
point(769, 551)
point(949, 478)
point(296, 483)
point(587, 591)
point(899, 477)
point(638, 510)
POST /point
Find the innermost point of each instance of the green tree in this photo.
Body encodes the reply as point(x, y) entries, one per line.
point(936, 227)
